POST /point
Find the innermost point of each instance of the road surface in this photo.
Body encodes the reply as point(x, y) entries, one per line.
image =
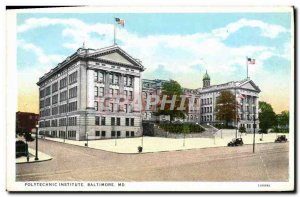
point(74, 163)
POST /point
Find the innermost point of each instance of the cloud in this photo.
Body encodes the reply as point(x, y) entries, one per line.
point(178, 53)
point(267, 30)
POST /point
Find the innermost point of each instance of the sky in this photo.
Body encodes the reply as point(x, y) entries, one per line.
point(178, 46)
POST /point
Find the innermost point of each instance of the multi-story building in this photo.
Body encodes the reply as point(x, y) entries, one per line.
point(202, 101)
point(80, 98)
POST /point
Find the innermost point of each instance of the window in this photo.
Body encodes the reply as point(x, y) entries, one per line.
point(96, 75)
point(97, 120)
point(125, 108)
point(116, 79)
point(97, 133)
point(102, 120)
point(73, 106)
point(110, 92)
point(63, 108)
point(73, 78)
point(48, 90)
point(42, 93)
point(113, 133)
point(63, 83)
point(130, 94)
point(132, 121)
point(96, 90)
point(101, 91)
point(62, 122)
point(132, 133)
point(101, 77)
point(96, 105)
point(127, 121)
point(118, 133)
point(53, 123)
point(116, 92)
point(129, 82)
point(47, 102)
point(54, 110)
point(127, 133)
point(63, 96)
point(73, 92)
point(113, 121)
point(54, 99)
point(125, 93)
point(118, 121)
point(111, 107)
point(54, 87)
point(103, 133)
point(42, 103)
point(71, 134)
point(111, 78)
point(72, 121)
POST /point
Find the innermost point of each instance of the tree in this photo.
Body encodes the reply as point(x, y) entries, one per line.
point(169, 89)
point(185, 131)
point(283, 119)
point(242, 129)
point(226, 107)
point(267, 117)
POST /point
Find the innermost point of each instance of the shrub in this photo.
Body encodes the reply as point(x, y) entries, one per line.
point(180, 128)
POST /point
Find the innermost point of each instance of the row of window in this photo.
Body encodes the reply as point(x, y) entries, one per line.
point(206, 101)
point(59, 109)
point(99, 91)
point(62, 84)
point(114, 78)
point(206, 109)
point(114, 133)
point(114, 121)
point(248, 126)
point(72, 121)
point(63, 96)
point(114, 107)
point(206, 118)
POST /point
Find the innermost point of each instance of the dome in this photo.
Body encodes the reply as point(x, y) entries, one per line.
point(206, 76)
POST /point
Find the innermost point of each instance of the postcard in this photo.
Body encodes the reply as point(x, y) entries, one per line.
point(146, 99)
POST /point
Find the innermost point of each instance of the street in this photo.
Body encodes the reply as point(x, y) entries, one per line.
point(74, 163)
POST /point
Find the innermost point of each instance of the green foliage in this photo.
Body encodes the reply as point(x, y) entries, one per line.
point(181, 128)
point(226, 107)
point(242, 129)
point(169, 89)
point(267, 117)
point(283, 119)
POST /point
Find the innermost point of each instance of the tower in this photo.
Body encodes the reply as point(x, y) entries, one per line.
point(206, 80)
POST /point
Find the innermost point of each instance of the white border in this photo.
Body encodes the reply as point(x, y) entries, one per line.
point(11, 98)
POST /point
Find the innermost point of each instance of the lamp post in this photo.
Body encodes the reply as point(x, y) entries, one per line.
point(87, 139)
point(36, 143)
point(222, 130)
point(254, 118)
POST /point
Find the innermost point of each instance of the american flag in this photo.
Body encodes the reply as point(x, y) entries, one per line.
point(120, 21)
point(251, 61)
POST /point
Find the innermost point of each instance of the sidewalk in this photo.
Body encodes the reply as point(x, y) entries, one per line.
point(159, 144)
point(41, 156)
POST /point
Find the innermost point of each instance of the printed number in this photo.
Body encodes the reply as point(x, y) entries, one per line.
point(264, 185)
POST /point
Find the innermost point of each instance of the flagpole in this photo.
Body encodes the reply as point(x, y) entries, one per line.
point(114, 34)
point(247, 65)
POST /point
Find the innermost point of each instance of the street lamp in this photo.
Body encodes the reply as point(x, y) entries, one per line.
point(222, 130)
point(36, 143)
point(87, 139)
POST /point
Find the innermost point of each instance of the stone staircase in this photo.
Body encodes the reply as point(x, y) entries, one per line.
point(210, 131)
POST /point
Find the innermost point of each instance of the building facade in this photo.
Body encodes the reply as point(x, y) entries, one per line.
point(202, 101)
point(80, 98)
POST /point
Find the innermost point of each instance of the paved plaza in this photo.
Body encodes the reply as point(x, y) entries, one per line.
point(270, 162)
point(160, 144)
